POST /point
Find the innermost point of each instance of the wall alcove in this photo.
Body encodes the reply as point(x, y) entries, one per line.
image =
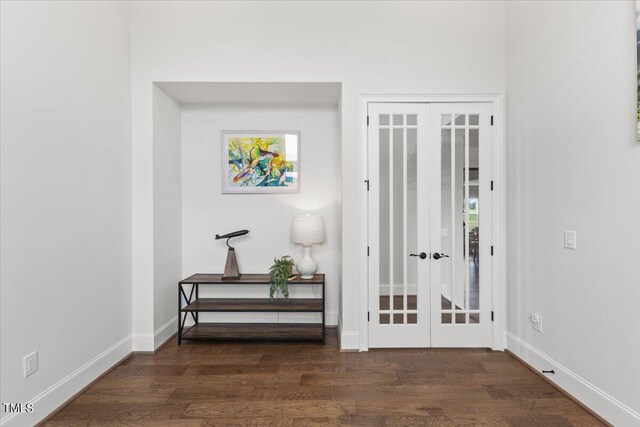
point(189, 207)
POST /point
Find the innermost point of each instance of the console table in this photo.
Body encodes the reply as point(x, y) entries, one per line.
point(190, 304)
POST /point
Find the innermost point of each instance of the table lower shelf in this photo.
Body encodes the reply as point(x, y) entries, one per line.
point(255, 332)
point(255, 305)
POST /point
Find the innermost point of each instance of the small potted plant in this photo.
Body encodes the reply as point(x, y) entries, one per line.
point(279, 274)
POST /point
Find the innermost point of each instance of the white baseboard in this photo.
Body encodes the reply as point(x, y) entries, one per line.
point(349, 340)
point(588, 394)
point(165, 332)
point(143, 341)
point(149, 342)
point(56, 395)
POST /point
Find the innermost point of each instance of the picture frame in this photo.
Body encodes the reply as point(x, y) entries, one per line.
point(260, 161)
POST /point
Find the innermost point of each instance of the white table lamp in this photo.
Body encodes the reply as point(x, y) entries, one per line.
point(307, 230)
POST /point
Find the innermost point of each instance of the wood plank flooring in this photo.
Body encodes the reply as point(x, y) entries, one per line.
point(306, 384)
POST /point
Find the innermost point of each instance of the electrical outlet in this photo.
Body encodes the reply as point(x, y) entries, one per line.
point(30, 364)
point(537, 322)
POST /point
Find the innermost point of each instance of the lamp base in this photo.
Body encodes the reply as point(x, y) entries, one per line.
point(307, 267)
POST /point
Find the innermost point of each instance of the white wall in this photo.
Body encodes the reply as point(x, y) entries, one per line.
point(423, 47)
point(66, 197)
point(167, 218)
point(206, 211)
point(573, 164)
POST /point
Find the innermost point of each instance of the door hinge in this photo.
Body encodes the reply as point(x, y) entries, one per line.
point(491, 250)
point(367, 120)
point(366, 181)
point(367, 250)
point(492, 316)
point(368, 317)
point(491, 120)
point(491, 185)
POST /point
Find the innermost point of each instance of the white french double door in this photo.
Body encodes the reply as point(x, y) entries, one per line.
point(429, 168)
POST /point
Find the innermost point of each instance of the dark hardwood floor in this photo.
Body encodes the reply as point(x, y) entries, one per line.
point(300, 384)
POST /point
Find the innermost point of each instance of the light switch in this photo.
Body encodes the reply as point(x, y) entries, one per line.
point(30, 364)
point(537, 322)
point(570, 239)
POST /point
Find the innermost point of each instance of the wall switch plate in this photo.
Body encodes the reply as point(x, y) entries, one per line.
point(30, 364)
point(537, 322)
point(570, 239)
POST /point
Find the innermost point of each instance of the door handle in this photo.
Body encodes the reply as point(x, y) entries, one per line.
point(438, 256)
point(422, 255)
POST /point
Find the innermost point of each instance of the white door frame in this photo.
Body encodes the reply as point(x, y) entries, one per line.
point(498, 261)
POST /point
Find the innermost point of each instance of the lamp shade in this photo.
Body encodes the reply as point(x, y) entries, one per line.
point(307, 229)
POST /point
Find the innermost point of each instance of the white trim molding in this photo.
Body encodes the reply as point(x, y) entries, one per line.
point(59, 393)
point(165, 332)
point(143, 342)
point(610, 409)
point(349, 340)
point(149, 342)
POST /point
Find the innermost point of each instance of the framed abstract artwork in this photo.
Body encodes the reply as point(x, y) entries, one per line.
point(260, 161)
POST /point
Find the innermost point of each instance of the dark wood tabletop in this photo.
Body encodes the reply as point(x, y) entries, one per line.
point(246, 279)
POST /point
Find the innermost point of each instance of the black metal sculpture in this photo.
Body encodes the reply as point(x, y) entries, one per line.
point(231, 271)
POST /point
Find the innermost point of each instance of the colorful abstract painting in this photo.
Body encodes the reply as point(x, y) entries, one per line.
point(260, 162)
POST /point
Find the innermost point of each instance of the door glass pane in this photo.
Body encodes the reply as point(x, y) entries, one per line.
point(398, 195)
point(384, 302)
point(384, 120)
point(398, 255)
point(459, 260)
point(445, 214)
point(385, 231)
point(460, 220)
point(474, 219)
point(412, 219)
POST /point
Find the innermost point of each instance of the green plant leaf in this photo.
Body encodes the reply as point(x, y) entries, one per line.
point(279, 276)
